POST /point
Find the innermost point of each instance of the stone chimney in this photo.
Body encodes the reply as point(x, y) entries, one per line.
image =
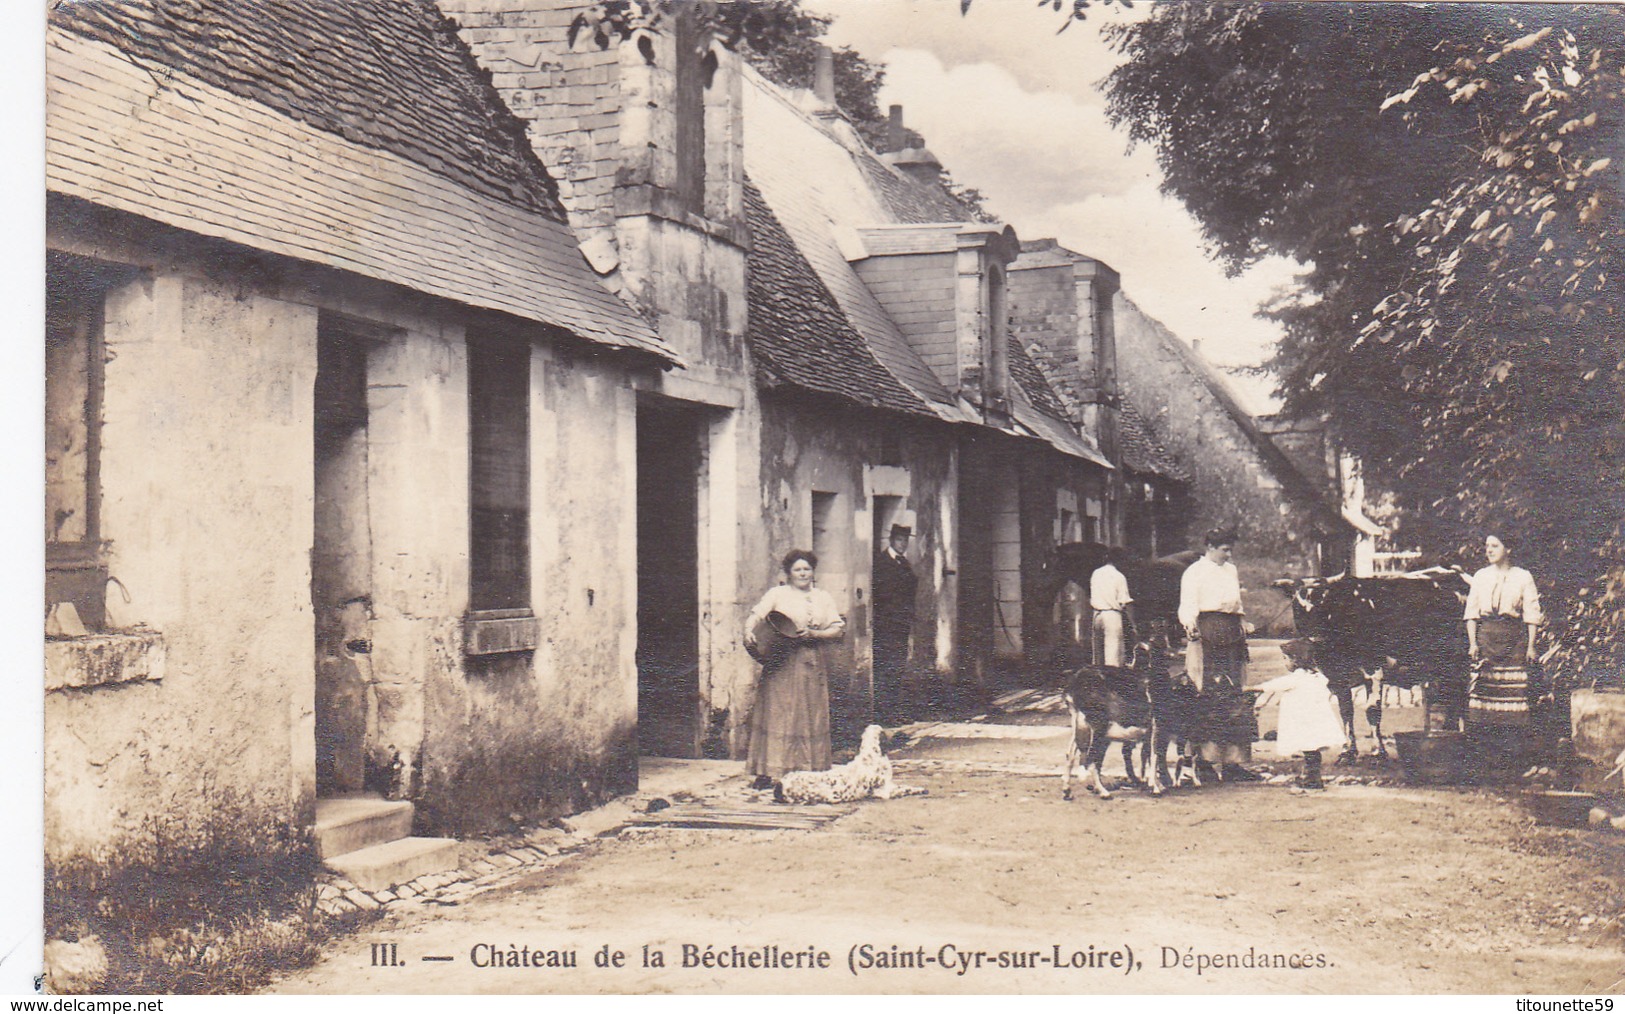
point(824, 77)
point(906, 150)
point(895, 140)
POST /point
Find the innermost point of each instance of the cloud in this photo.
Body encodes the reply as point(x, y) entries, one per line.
point(1015, 34)
point(1051, 165)
point(1045, 148)
point(1156, 247)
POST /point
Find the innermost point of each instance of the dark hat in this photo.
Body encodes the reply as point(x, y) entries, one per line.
point(901, 530)
point(775, 635)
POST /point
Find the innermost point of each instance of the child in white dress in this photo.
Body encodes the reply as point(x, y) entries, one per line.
point(1309, 721)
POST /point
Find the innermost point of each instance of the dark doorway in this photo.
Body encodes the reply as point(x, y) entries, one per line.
point(668, 653)
point(341, 559)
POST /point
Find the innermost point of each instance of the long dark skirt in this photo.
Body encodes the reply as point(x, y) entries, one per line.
point(1224, 648)
point(789, 728)
point(1500, 689)
point(1498, 723)
point(1225, 726)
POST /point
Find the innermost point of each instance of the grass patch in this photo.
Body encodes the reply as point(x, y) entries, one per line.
point(214, 906)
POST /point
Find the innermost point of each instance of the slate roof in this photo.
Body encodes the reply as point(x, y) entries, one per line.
point(910, 200)
point(797, 330)
point(1026, 373)
point(356, 135)
point(1142, 451)
point(383, 74)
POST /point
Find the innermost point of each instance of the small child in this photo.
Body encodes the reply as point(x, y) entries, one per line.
point(1310, 721)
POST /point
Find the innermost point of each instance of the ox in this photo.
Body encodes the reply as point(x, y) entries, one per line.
point(1403, 629)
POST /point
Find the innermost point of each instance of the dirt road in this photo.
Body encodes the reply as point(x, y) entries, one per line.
point(993, 883)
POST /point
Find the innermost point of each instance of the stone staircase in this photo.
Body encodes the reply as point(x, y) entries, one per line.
point(368, 841)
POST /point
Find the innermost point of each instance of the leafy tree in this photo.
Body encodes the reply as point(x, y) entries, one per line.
point(781, 40)
point(1450, 177)
point(777, 37)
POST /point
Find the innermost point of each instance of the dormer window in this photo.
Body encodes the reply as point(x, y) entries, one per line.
point(996, 341)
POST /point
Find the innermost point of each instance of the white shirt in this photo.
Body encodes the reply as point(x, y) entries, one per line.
point(813, 609)
point(1309, 719)
point(1208, 587)
point(1509, 592)
point(1108, 589)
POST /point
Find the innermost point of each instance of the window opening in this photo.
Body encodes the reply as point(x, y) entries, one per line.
point(691, 82)
point(76, 300)
point(499, 473)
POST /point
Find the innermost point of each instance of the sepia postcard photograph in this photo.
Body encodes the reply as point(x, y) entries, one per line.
point(826, 496)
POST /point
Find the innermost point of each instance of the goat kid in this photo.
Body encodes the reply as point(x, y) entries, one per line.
point(1174, 704)
point(1108, 705)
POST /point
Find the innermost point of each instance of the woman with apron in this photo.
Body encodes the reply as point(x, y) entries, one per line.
point(1502, 614)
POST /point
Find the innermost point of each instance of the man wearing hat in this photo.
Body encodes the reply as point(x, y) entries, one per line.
point(894, 589)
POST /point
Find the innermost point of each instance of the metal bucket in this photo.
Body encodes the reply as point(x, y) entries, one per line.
point(1431, 758)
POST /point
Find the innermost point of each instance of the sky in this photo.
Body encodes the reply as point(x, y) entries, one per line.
point(1011, 107)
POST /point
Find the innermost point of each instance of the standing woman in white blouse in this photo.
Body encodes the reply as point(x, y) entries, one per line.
point(1503, 614)
point(789, 728)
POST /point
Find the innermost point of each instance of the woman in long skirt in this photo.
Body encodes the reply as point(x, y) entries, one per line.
point(1503, 614)
point(1210, 610)
point(789, 728)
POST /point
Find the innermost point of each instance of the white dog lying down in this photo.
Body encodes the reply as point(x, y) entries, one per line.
point(868, 774)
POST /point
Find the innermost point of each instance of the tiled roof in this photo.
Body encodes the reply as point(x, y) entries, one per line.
point(1058, 433)
point(352, 135)
point(815, 190)
point(797, 330)
point(825, 191)
point(1024, 371)
point(384, 74)
point(1142, 451)
point(909, 199)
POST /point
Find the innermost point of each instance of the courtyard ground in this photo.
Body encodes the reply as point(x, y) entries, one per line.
point(1370, 886)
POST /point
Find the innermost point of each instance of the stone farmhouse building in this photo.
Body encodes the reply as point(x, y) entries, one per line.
point(431, 390)
point(1278, 486)
point(340, 432)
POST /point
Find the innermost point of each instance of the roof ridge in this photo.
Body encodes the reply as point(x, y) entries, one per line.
point(1280, 464)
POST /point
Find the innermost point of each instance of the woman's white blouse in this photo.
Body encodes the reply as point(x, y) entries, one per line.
point(1509, 592)
point(813, 609)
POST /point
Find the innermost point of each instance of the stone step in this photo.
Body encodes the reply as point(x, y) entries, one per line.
point(378, 867)
point(347, 823)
